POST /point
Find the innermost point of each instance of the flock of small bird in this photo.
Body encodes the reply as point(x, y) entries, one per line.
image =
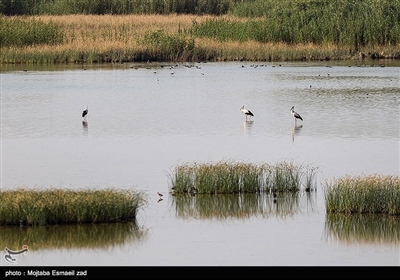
point(249, 114)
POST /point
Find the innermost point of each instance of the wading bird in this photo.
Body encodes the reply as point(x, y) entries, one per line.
point(295, 115)
point(84, 113)
point(246, 112)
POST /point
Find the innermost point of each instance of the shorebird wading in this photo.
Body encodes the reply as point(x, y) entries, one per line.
point(295, 115)
point(248, 113)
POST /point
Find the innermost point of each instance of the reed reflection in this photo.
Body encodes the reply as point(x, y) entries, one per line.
point(363, 228)
point(85, 236)
point(242, 206)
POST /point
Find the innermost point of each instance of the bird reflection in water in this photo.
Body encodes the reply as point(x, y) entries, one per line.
point(296, 130)
point(247, 125)
point(85, 127)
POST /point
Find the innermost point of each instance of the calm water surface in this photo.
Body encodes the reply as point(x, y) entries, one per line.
point(144, 120)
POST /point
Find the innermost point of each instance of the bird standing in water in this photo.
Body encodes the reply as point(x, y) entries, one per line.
point(84, 113)
point(248, 113)
point(295, 115)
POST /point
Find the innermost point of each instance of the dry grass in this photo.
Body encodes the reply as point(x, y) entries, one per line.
point(119, 38)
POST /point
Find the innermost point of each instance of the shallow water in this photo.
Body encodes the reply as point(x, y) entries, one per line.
point(144, 120)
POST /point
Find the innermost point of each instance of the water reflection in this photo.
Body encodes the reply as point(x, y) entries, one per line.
point(363, 228)
point(72, 236)
point(296, 130)
point(242, 206)
point(85, 128)
point(246, 125)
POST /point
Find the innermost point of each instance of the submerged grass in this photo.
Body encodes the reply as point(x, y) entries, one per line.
point(238, 177)
point(63, 206)
point(363, 194)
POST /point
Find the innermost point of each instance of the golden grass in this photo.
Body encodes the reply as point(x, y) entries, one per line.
point(112, 38)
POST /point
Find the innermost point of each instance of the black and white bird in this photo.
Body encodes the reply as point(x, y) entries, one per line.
point(84, 113)
point(295, 115)
point(248, 113)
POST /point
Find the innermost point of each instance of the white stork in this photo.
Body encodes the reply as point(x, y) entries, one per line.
point(84, 113)
point(295, 115)
point(246, 112)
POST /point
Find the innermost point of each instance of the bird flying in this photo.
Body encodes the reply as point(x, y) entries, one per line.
point(248, 113)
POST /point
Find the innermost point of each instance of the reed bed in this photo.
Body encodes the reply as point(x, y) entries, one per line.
point(84, 38)
point(63, 206)
point(226, 177)
point(363, 194)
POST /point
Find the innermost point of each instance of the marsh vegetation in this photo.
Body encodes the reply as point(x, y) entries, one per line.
point(133, 31)
point(233, 177)
point(373, 194)
point(62, 206)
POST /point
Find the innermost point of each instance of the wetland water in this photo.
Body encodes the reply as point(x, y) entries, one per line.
point(146, 119)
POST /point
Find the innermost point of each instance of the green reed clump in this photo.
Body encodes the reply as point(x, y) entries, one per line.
point(163, 46)
point(239, 177)
point(350, 23)
point(17, 32)
point(63, 206)
point(363, 194)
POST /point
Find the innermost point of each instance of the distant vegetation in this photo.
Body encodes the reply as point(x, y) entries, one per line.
point(20, 32)
point(58, 31)
point(116, 7)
